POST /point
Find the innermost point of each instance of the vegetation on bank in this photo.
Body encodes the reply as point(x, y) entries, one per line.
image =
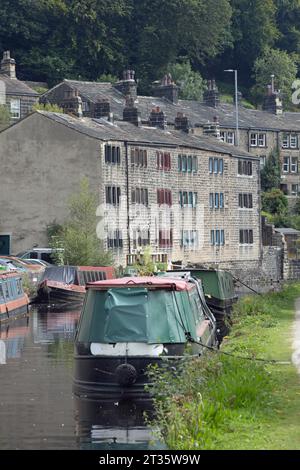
point(224, 402)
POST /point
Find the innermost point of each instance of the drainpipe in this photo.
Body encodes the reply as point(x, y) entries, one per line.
point(127, 196)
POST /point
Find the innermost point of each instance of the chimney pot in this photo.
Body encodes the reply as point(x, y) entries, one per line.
point(8, 65)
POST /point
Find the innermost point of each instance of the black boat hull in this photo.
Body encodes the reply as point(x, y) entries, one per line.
point(54, 295)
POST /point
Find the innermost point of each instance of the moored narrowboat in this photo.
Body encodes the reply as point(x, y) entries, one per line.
point(65, 284)
point(13, 301)
point(219, 291)
point(128, 324)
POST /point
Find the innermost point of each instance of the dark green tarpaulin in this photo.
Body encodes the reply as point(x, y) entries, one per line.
point(133, 315)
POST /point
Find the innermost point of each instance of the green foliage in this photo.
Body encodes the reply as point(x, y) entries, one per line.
point(274, 202)
point(4, 117)
point(107, 78)
point(271, 173)
point(78, 235)
point(224, 402)
point(191, 83)
point(54, 108)
point(279, 63)
point(145, 265)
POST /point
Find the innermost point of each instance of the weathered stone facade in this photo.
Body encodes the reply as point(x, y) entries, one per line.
point(141, 185)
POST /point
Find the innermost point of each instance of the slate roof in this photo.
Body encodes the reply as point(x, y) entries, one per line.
point(287, 231)
point(16, 87)
point(103, 130)
point(197, 112)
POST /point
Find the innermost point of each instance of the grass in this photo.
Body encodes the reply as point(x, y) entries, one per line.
point(228, 403)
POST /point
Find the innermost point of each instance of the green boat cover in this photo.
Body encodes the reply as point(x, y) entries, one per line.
point(138, 315)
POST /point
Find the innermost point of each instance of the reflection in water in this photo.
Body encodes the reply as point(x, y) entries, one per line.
point(37, 407)
point(111, 426)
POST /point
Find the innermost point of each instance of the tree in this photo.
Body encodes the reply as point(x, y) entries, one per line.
point(191, 83)
point(279, 63)
point(4, 117)
point(274, 202)
point(271, 173)
point(54, 108)
point(78, 235)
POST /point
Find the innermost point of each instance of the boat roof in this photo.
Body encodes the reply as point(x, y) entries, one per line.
point(152, 282)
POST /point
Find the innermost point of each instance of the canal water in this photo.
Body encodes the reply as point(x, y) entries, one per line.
point(37, 407)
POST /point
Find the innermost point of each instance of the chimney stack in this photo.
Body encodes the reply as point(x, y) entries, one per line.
point(182, 123)
point(212, 128)
point(127, 86)
point(72, 103)
point(131, 112)
point(211, 96)
point(167, 89)
point(157, 118)
point(8, 65)
point(273, 100)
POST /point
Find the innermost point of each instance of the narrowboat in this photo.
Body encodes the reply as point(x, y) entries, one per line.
point(128, 324)
point(13, 301)
point(219, 291)
point(65, 284)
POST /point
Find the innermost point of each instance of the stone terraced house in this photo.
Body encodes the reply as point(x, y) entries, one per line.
point(192, 198)
point(15, 94)
point(260, 131)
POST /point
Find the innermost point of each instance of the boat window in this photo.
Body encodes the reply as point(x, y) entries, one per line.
point(91, 276)
point(19, 287)
point(6, 291)
point(196, 306)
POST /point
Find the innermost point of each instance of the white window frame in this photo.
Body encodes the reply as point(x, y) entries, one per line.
point(285, 141)
point(223, 136)
point(261, 140)
point(230, 137)
point(253, 139)
point(293, 141)
point(15, 108)
point(286, 166)
point(294, 166)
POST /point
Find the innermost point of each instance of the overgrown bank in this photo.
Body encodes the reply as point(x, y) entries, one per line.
point(228, 403)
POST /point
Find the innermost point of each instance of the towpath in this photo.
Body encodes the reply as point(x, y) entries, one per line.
point(296, 337)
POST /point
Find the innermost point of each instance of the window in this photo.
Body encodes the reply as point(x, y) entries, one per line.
point(211, 165)
point(189, 199)
point(244, 168)
point(261, 140)
point(189, 238)
point(285, 141)
point(211, 200)
point(184, 164)
point(138, 157)
point(190, 164)
point(216, 200)
point(15, 108)
point(294, 165)
point(163, 161)
point(112, 154)
point(217, 237)
point(85, 106)
point(230, 138)
point(263, 159)
point(113, 195)
point(164, 196)
point(246, 237)
point(289, 141)
point(294, 191)
point(216, 166)
point(139, 196)
point(286, 164)
point(195, 164)
point(114, 239)
point(179, 163)
point(221, 166)
point(294, 141)
point(165, 238)
point(245, 201)
point(140, 238)
point(221, 201)
point(253, 140)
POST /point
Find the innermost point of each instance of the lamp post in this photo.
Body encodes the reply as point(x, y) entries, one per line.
point(237, 140)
